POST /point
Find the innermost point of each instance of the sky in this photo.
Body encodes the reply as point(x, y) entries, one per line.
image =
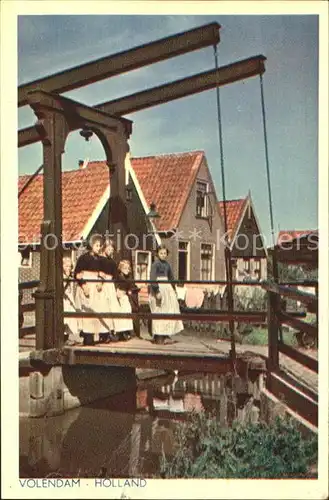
point(47, 44)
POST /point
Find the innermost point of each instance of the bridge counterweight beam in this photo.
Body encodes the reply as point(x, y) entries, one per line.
point(169, 92)
point(116, 64)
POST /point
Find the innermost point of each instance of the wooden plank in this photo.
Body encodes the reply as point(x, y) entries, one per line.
point(273, 331)
point(243, 316)
point(302, 326)
point(293, 397)
point(76, 111)
point(293, 380)
point(163, 361)
point(26, 285)
point(128, 60)
point(306, 298)
point(164, 93)
point(27, 307)
point(26, 330)
point(300, 357)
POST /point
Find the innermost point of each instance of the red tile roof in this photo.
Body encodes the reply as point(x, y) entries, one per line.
point(167, 180)
point(82, 190)
point(288, 235)
point(234, 211)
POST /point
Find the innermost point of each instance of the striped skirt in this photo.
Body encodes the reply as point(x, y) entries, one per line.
point(169, 304)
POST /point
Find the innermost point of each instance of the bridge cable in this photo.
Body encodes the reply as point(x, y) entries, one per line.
point(29, 180)
point(266, 159)
point(227, 249)
point(268, 177)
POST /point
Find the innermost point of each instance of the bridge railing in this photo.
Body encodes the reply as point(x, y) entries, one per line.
point(292, 386)
point(277, 317)
point(26, 304)
point(187, 314)
point(192, 314)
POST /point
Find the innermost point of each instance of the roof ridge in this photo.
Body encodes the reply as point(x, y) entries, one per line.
point(182, 153)
point(64, 171)
point(232, 199)
point(196, 151)
point(297, 230)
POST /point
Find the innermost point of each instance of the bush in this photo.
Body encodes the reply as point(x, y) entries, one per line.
point(206, 450)
point(259, 336)
point(250, 298)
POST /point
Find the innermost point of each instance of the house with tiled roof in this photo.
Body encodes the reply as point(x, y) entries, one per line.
point(288, 236)
point(181, 187)
point(298, 247)
point(248, 250)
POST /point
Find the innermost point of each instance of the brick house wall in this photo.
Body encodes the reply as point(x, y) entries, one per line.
point(189, 221)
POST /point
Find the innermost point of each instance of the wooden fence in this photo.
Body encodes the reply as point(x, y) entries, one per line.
point(299, 397)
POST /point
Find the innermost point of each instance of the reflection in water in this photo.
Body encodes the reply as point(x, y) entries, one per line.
point(125, 435)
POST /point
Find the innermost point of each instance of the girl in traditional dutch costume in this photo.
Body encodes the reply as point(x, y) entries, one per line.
point(90, 296)
point(163, 299)
point(109, 272)
point(125, 287)
point(70, 324)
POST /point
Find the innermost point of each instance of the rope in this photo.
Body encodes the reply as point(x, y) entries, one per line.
point(30, 179)
point(220, 138)
point(227, 250)
point(267, 160)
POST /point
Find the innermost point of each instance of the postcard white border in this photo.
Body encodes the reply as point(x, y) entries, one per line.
point(246, 489)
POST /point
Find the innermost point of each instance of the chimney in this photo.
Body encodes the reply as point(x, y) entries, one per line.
point(83, 163)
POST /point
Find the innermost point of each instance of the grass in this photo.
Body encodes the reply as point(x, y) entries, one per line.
point(259, 336)
point(250, 335)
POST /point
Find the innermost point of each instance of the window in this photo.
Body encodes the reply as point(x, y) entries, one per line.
point(25, 258)
point(246, 265)
point(207, 262)
point(201, 199)
point(143, 263)
point(129, 193)
point(234, 269)
point(257, 268)
point(183, 260)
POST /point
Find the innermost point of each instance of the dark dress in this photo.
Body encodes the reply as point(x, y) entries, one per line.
point(160, 269)
point(108, 265)
point(128, 293)
point(127, 284)
point(88, 262)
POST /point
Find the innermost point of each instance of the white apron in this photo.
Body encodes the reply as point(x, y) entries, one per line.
point(123, 306)
point(169, 304)
point(70, 324)
point(96, 302)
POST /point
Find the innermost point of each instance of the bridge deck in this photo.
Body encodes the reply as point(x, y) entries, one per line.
point(187, 353)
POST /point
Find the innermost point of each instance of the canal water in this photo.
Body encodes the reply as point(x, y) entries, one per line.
point(125, 435)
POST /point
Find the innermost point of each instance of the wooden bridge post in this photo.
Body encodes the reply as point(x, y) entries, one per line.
point(20, 312)
point(44, 296)
point(116, 148)
point(273, 331)
point(53, 129)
